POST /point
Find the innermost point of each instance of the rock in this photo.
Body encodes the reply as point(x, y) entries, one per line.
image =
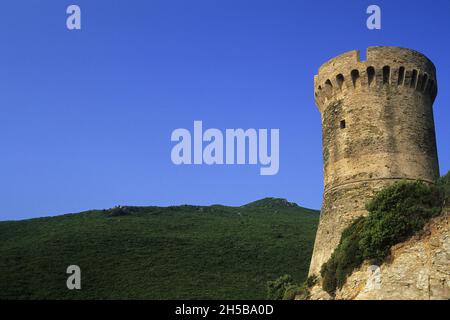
point(418, 269)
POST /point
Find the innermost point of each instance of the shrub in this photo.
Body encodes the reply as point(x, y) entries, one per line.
point(395, 213)
point(277, 288)
point(444, 184)
point(292, 291)
point(301, 292)
point(304, 291)
point(344, 259)
point(119, 211)
point(311, 281)
point(284, 288)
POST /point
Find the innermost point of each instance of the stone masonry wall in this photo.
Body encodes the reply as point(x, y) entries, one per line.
point(377, 128)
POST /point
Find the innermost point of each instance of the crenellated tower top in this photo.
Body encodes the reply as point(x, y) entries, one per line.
point(384, 68)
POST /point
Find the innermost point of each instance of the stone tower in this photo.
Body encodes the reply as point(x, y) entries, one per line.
point(377, 128)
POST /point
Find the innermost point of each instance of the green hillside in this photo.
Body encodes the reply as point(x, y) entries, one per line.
point(178, 252)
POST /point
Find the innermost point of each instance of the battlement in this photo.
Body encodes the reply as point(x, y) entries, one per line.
point(385, 67)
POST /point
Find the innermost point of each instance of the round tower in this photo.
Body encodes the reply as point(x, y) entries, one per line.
point(377, 128)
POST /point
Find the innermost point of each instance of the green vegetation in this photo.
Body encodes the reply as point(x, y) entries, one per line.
point(277, 288)
point(178, 252)
point(284, 288)
point(444, 184)
point(271, 203)
point(395, 214)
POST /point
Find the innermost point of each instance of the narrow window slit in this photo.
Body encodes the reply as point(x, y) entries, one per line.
point(413, 79)
point(342, 124)
point(370, 75)
point(386, 74)
point(401, 75)
point(355, 76)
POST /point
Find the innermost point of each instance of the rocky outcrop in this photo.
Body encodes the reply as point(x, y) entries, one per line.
point(418, 269)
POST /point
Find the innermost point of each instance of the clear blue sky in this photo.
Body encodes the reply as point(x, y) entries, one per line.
point(86, 116)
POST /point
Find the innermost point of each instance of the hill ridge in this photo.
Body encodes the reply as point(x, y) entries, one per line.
point(175, 252)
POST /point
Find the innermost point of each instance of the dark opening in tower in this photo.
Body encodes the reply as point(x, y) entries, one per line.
point(340, 80)
point(386, 74)
point(413, 79)
point(401, 75)
point(370, 74)
point(355, 76)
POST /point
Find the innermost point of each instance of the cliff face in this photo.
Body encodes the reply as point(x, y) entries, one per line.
point(418, 268)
